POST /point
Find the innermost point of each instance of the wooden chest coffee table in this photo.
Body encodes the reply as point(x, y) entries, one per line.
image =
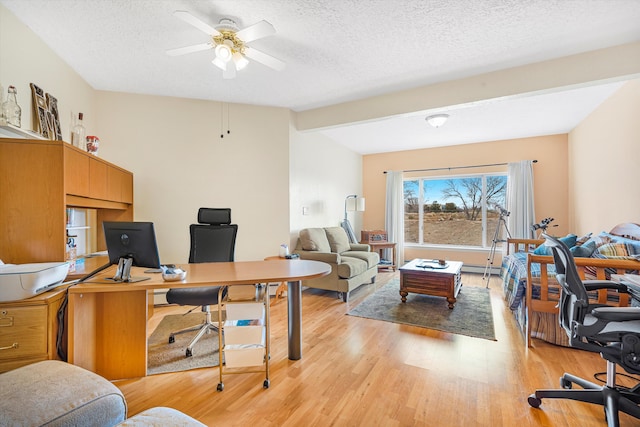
point(429, 278)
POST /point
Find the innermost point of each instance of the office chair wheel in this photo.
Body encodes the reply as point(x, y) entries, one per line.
point(266, 384)
point(189, 353)
point(172, 339)
point(534, 402)
point(566, 384)
point(220, 387)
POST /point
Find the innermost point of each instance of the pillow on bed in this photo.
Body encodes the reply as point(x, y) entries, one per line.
point(569, 240)
point(584, 239)
point(612, 250)
point(583, 251)
point(601, 239)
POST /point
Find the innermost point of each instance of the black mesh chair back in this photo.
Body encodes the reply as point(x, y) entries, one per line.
point(574, 300)
point(213, 239)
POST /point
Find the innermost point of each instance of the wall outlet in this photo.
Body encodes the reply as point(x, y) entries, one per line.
point(305, 210)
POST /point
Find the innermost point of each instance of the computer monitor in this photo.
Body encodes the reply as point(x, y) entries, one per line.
point(131, 244)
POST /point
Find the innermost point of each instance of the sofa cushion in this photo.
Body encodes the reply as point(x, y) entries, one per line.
point(338, 239)
point(371, 258)
point(161, 416)
point(314, 239)
point(56, 393)
point(350, 267)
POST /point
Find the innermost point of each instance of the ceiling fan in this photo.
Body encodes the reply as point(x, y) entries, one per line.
point(230, 44)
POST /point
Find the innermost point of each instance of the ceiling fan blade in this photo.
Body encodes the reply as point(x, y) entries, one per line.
point(230, 71)
point(256, 31)
point(190, 19)
point(264, 59)
point(189, 49)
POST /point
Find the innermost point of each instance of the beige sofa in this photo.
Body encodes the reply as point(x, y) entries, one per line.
point(352, 264)
point(57, 394)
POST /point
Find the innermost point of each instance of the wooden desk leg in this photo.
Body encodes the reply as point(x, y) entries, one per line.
point(294, 310)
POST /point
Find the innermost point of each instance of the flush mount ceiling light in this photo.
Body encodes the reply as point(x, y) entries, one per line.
point(437, 120)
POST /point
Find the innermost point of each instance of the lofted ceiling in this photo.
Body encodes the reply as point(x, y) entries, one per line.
point(343, 50)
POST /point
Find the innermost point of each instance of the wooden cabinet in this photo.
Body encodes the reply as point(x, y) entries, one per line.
point(28, 329)
point(39, 179)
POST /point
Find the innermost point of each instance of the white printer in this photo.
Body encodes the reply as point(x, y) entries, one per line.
point(20, 281)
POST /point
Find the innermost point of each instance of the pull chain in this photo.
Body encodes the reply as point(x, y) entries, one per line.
point(222, 120)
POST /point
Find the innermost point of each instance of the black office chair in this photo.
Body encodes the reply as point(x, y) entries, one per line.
point(213, 239)
point(614, 332)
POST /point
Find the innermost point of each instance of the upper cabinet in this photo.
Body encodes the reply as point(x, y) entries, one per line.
point(88, 176)
point(39, 179)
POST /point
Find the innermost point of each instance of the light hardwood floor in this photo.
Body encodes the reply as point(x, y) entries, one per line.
point(362, 372)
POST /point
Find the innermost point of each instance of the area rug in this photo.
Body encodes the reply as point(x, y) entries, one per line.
point(471, 315)
point(164, 357)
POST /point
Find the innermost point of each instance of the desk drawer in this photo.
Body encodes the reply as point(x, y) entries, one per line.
point(23, 332)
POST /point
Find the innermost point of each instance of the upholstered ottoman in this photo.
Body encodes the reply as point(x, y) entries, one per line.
point(55, 393)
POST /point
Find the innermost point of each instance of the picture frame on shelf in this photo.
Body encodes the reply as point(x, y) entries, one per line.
point(47, 116)
point(40, 108)
point(52, 105)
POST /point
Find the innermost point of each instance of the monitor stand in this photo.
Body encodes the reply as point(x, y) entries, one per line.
point(123, 273)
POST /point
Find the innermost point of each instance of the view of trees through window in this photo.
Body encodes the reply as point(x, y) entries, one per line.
point(461, 211)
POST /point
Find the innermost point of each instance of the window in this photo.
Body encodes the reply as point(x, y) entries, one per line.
point(456, 210)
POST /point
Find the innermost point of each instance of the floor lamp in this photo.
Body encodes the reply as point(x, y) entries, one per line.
point(352, 203)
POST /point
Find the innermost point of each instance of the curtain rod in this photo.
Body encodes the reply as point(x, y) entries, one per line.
point(458, 167)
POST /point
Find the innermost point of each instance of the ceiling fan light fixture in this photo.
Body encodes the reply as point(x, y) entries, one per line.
point(224, 51)
point(240, 61)
point(437, 120)
point(219, 63)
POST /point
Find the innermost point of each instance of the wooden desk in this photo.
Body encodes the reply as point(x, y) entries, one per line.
point(378, 247)
point(107, 322)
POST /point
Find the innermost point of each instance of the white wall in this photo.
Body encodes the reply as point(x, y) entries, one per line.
point(323, 174)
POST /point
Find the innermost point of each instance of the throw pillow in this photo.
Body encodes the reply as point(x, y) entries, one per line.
point(338, 239)
point(611, 250)
point(584, 239)
point(583, 251)
point(542, 250)
point(569, 240)
point(314, 239)
point(601, 239)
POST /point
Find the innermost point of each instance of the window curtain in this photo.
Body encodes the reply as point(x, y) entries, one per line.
point(394, 214)
point(520, 200)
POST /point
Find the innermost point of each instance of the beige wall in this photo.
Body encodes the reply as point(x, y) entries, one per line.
point(25, 59)
point(323, 174)
point(604, 151)
point(550, 180)
point(179, 162)
point(267, 171)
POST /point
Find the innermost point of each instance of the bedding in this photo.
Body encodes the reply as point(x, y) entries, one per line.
point(534, 306)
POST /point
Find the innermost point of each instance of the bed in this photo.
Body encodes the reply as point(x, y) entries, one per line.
point(529, 285)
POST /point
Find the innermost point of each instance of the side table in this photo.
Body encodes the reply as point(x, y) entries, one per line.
point(378, 247)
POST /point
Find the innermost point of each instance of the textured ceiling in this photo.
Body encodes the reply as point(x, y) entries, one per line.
point(337, 51)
